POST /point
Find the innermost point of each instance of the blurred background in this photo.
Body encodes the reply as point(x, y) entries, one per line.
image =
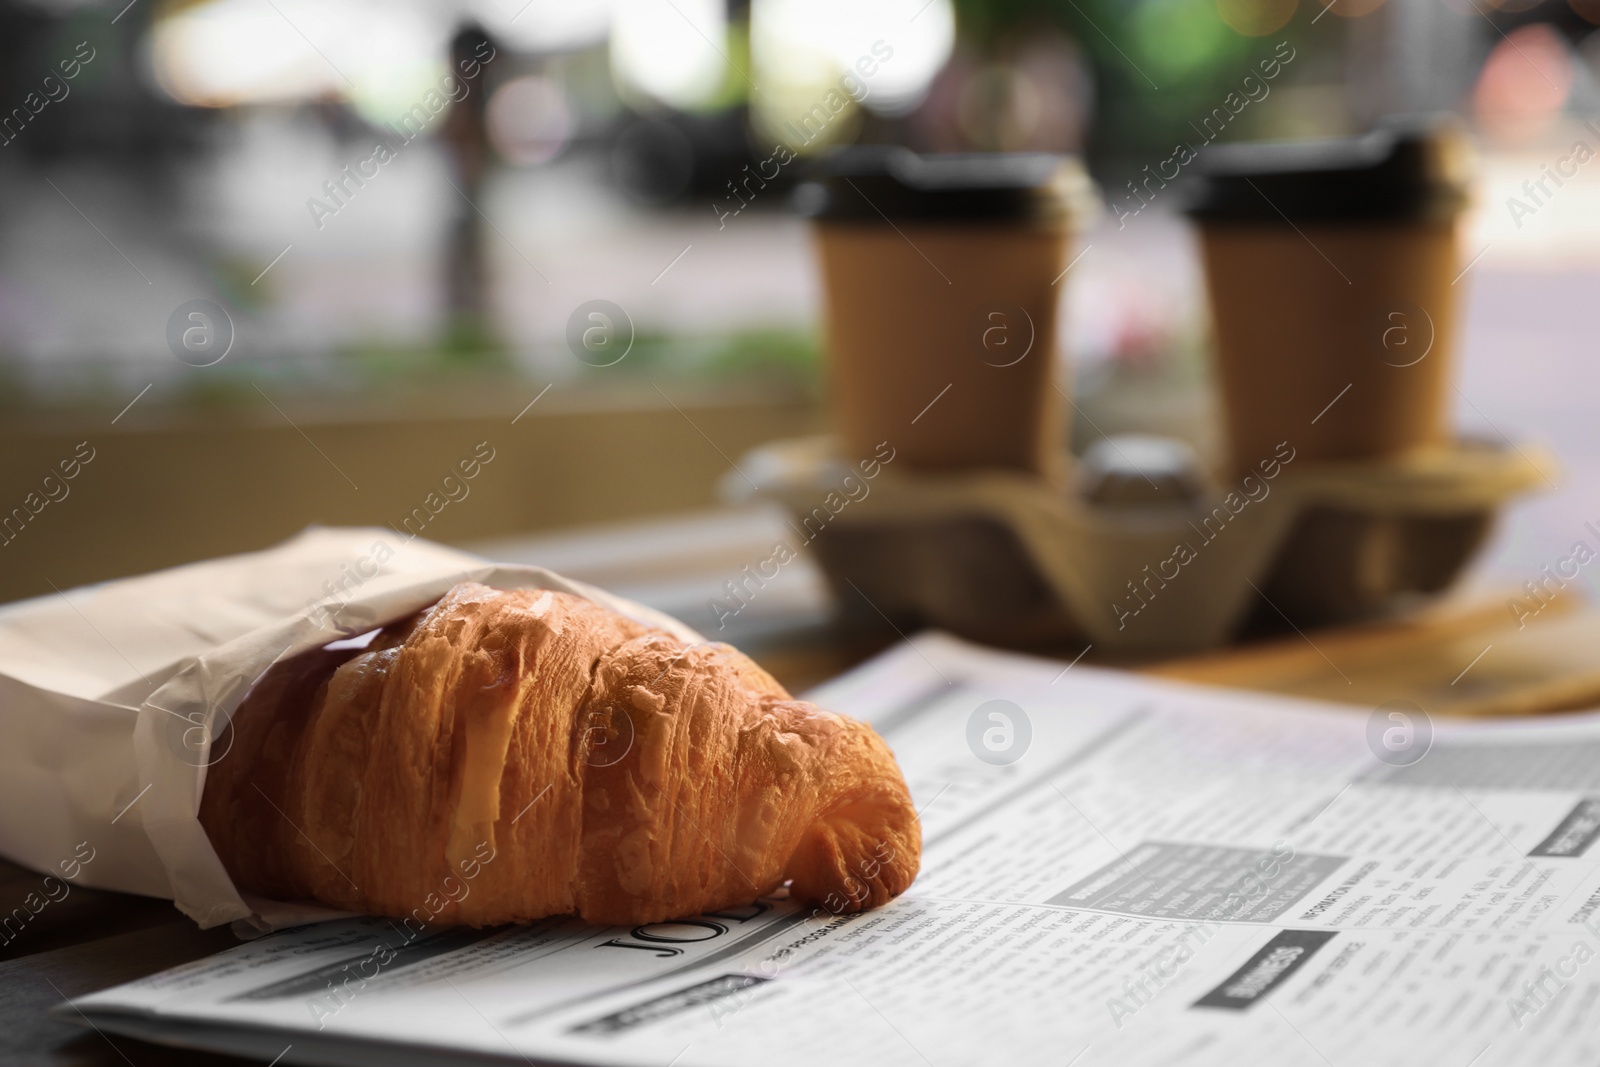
point(276, 262)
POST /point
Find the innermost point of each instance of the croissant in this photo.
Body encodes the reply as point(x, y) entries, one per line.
point(506, 756)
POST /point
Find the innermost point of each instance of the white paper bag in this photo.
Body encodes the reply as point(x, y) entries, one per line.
point(111, 696)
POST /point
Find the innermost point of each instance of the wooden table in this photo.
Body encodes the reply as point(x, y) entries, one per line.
point(1456, 659)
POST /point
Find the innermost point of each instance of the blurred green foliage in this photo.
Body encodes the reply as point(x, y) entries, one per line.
point(779, 356)
point(1158, 65)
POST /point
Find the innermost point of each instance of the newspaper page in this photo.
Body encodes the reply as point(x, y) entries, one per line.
point(1116, 870)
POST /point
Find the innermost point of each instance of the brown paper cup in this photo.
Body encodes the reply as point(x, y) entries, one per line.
point(941, 341)
point(1337, 338)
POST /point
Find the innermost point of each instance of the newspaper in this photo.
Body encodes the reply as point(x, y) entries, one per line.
point(1116, 870)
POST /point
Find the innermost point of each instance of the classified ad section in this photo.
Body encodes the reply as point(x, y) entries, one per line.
point(1116, 870)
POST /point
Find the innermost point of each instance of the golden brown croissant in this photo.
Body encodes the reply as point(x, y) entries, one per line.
point(504, 756)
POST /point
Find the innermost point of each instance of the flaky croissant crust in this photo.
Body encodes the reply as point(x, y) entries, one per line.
point(509, 755)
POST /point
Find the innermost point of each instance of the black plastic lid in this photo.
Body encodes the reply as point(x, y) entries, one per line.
point(1412, 170)
point(869, 182)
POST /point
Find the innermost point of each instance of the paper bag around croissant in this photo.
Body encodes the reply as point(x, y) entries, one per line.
point(510, 755)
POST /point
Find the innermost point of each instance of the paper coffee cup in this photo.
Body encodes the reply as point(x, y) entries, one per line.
point(1329, 267)
point(940, 276)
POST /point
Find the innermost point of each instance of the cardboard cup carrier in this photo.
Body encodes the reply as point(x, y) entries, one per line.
point(1344, 495)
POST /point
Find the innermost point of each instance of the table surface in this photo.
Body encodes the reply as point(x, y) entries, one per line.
point(1464, 656)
